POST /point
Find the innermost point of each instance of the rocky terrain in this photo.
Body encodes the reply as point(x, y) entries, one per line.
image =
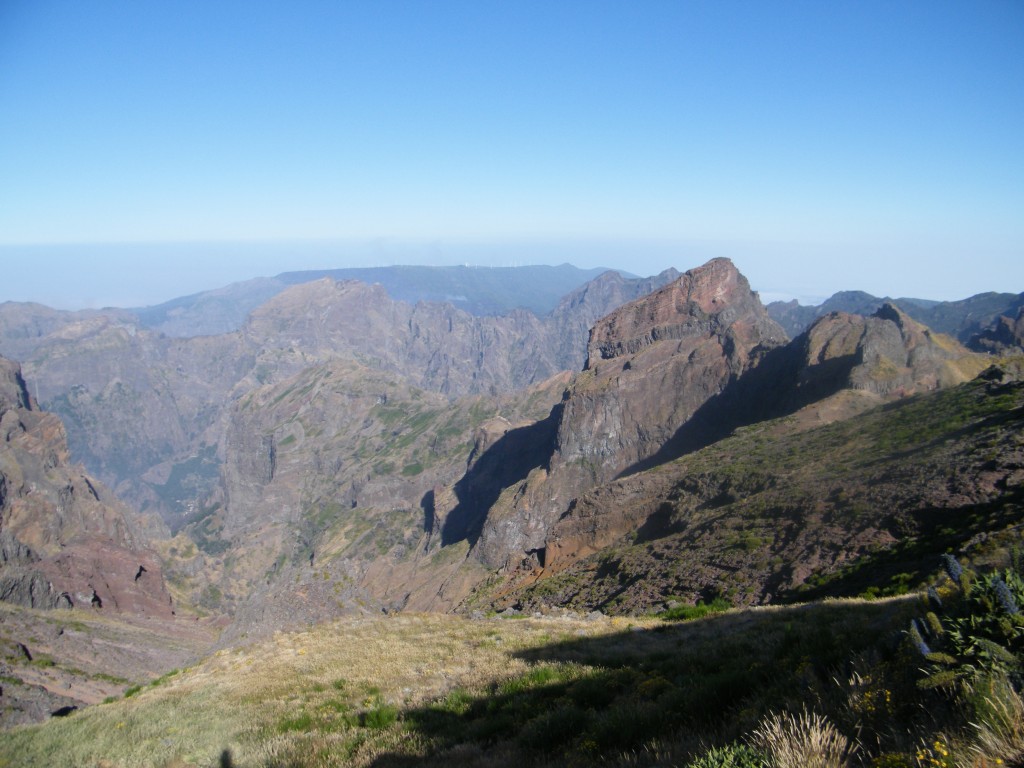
point(652, 364)
point(83, 602)
point(64, 539)
point(344, 452)
point(147, 412)
point(1004, 336)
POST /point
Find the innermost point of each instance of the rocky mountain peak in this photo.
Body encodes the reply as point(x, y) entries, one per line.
point(888, 353)
point(702, 300)
point(653, 364)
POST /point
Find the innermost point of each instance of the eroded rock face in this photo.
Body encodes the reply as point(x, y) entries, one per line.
point(64, 539)
point(1004, 336)
point(347, 489)
point(888, 354)
point(652, 364)
point(147, 414)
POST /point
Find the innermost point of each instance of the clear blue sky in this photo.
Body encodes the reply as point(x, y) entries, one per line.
point(821, 145)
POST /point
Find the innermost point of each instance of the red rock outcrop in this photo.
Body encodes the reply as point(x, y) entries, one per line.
point(652, 364)
point(64, 539)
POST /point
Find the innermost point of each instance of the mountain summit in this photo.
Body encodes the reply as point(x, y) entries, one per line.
point(651, 365)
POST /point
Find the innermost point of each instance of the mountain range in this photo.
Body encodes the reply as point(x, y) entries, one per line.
point(344, 451)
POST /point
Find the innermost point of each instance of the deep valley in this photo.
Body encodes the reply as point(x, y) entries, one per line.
point(434, 515)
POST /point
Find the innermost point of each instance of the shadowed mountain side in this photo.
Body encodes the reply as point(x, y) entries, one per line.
point(794, 501)
point(502, 464)
point(887, 355)
point(1004, 336)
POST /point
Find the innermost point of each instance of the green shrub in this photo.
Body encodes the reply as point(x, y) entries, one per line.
point(731, 756)
point(700, 610)
point(380, 717)
point(979, 633)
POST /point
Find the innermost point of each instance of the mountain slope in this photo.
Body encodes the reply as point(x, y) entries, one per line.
point(147, 413)
point(677, 371)
point(64, 540)
point(651, 365)
point(780, 506)
point(341, 492)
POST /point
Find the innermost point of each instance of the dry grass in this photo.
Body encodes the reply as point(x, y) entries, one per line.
point(438, 690)
point(806, 740)
point(303, 696)
point(998, 737)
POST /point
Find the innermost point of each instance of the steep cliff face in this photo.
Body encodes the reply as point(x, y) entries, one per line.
point(64, 539)
point(147, 413)
point(570, 322)
point(652, 364)
point(884, 357)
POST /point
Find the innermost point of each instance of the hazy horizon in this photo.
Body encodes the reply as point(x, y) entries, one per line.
point(821, 146)
point(126, 275)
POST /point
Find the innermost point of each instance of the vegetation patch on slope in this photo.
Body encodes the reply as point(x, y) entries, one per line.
point(862, 506)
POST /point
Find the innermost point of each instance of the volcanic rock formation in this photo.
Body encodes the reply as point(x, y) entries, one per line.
point(886, 356)
point(652, 364)
point(64, 539)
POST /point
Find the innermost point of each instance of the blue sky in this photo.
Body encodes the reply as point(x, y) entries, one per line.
point(152, 149)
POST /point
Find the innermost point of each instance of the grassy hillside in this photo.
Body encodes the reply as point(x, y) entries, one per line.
point(488, 691)
point(556, 690)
